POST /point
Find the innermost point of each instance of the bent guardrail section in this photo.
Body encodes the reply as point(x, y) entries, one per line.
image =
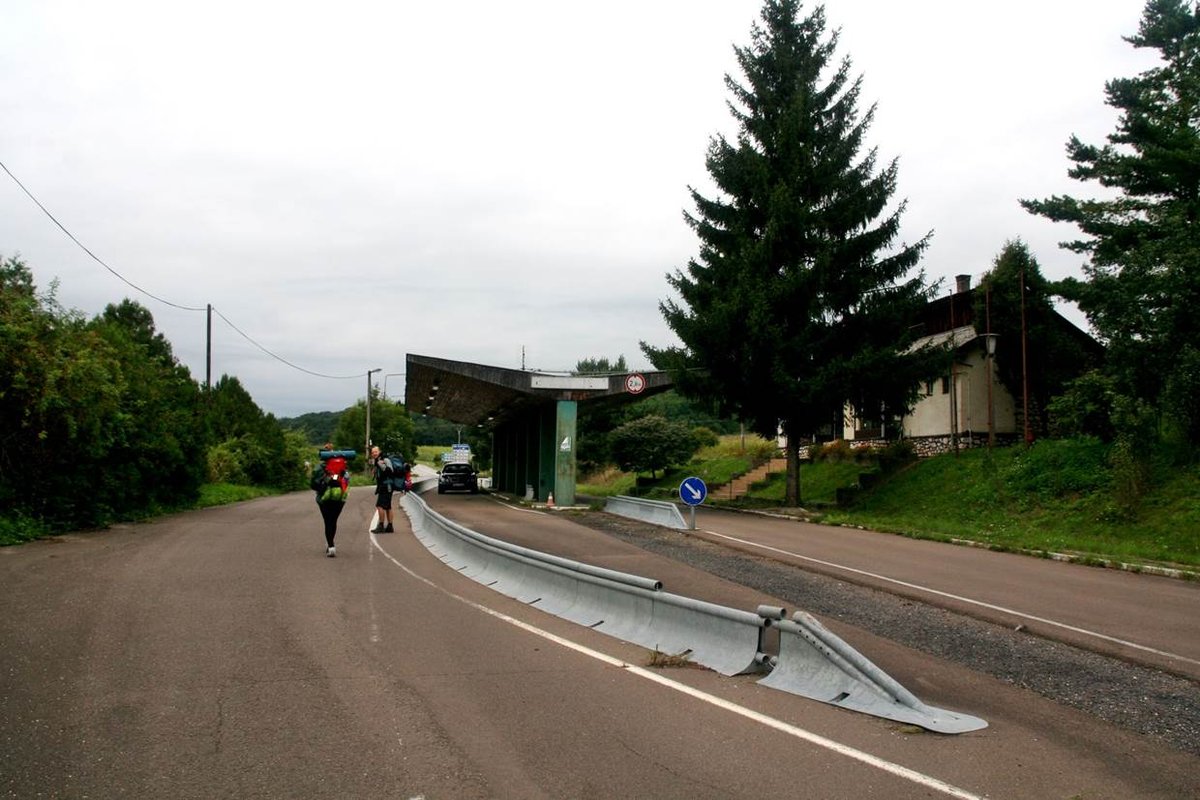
point(656, 512)
point(812, 661)
point(816, 663)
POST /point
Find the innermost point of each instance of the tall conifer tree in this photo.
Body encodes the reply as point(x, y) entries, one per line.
point(1142, 283)
point(797, 302)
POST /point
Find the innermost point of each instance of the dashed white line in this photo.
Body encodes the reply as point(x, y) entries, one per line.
point(889, 767)
point(960, 598)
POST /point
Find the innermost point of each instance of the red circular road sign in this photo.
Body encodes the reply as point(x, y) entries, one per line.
point(635, 383)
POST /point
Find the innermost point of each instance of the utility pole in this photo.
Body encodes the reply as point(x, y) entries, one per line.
point(1024, 367)
point(989, 342)
point(208, 353)
point(367, 446)
point(953, 383)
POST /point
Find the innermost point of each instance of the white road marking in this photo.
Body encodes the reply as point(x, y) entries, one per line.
point(516, 508)
point(892, 768)
point(959, 598)
point(374, 637)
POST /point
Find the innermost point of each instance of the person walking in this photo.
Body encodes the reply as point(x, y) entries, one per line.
point(331, 481)
point(384, 473)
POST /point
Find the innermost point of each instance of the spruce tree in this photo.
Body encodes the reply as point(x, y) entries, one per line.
point(1141, 284)
point(797, 302)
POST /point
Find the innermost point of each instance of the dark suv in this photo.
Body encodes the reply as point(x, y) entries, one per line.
point(458, 476)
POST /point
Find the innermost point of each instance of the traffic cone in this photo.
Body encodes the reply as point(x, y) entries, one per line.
point(550, 501)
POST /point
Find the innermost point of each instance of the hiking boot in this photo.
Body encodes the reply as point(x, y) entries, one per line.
point(331, 551)
point(389, 529)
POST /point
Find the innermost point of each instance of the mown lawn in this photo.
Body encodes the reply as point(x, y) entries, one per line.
point(1057, 496)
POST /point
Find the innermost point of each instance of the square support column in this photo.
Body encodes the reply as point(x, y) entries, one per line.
point(564, 452)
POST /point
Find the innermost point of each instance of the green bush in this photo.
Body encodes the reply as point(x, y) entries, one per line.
point(16, 528)
point(1084, 409)
point(895, 455)
point(225, 463)
point(1059, 468)
point(704, 437)
point(837, 451)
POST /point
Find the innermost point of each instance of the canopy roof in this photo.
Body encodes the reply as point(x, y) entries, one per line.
point(475, 394)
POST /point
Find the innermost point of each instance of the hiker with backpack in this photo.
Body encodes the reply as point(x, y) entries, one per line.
point(387, 468)
point(331, 482)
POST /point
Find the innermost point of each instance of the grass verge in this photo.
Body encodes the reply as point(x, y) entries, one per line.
point(1059, 496)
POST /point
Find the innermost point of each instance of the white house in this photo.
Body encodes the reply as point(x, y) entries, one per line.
point(960, 408)
point(955, 407)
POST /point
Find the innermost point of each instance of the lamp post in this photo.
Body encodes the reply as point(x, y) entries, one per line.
point(385, 377)
point(989, 341)
point(367, 445)
point(1024, 367)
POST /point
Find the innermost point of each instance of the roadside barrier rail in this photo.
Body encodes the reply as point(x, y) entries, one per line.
point(811, 660)
point(816, 663)
point(626, 606)
point(657, 512)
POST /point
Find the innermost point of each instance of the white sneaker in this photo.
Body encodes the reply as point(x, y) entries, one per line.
point(331, 551)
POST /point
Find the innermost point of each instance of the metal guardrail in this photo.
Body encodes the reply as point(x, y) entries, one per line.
point(816, 663)
point(626, 606)
point(656, 512)
point(812, 661)
point(423, 483)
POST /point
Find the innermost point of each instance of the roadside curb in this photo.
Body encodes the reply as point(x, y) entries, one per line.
point(1089, 561)
point(1067, 558)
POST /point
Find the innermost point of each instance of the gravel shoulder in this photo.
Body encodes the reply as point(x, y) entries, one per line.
point(1140, 699)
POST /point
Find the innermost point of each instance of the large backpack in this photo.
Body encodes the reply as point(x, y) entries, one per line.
point(330, 480)
point(394, 471)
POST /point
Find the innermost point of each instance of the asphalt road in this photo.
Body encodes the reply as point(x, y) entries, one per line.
point(1140, 617)
point(220, 654)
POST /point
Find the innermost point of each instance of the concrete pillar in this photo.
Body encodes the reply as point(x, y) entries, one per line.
point(564, 452)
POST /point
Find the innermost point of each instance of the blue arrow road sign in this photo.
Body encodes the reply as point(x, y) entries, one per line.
point(693, 491)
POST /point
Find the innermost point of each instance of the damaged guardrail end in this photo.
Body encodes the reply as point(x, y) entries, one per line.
point(770, 613)
point(816, 663)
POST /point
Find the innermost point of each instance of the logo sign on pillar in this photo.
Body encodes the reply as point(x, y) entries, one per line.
point(693, 491)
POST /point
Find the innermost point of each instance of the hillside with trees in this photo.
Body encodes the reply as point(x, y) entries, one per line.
point(99, 422)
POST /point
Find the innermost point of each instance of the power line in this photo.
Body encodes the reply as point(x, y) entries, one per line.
point(281, 358)
point(95, 258)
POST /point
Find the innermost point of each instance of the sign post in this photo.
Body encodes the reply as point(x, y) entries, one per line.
point(692, 492)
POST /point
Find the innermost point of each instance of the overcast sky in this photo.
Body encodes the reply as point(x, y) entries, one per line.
point(495, 182)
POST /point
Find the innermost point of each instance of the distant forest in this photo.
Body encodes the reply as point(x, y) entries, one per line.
point(317, 427)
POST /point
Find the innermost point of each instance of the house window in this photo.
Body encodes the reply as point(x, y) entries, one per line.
point(945, 384)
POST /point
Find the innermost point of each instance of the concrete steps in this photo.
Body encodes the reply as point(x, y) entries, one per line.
point(741, 484)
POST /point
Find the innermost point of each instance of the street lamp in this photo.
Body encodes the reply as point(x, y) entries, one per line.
point(989, 341)
point(367, 446)
point(1025, 367)
point(385, 377)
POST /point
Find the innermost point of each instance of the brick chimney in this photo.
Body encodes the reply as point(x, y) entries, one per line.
point(962, 283)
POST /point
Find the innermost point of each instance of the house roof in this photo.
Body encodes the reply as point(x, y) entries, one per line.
point(956, 311)
point(955, 338)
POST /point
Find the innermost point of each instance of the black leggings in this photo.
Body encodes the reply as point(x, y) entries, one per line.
point(330, 510)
